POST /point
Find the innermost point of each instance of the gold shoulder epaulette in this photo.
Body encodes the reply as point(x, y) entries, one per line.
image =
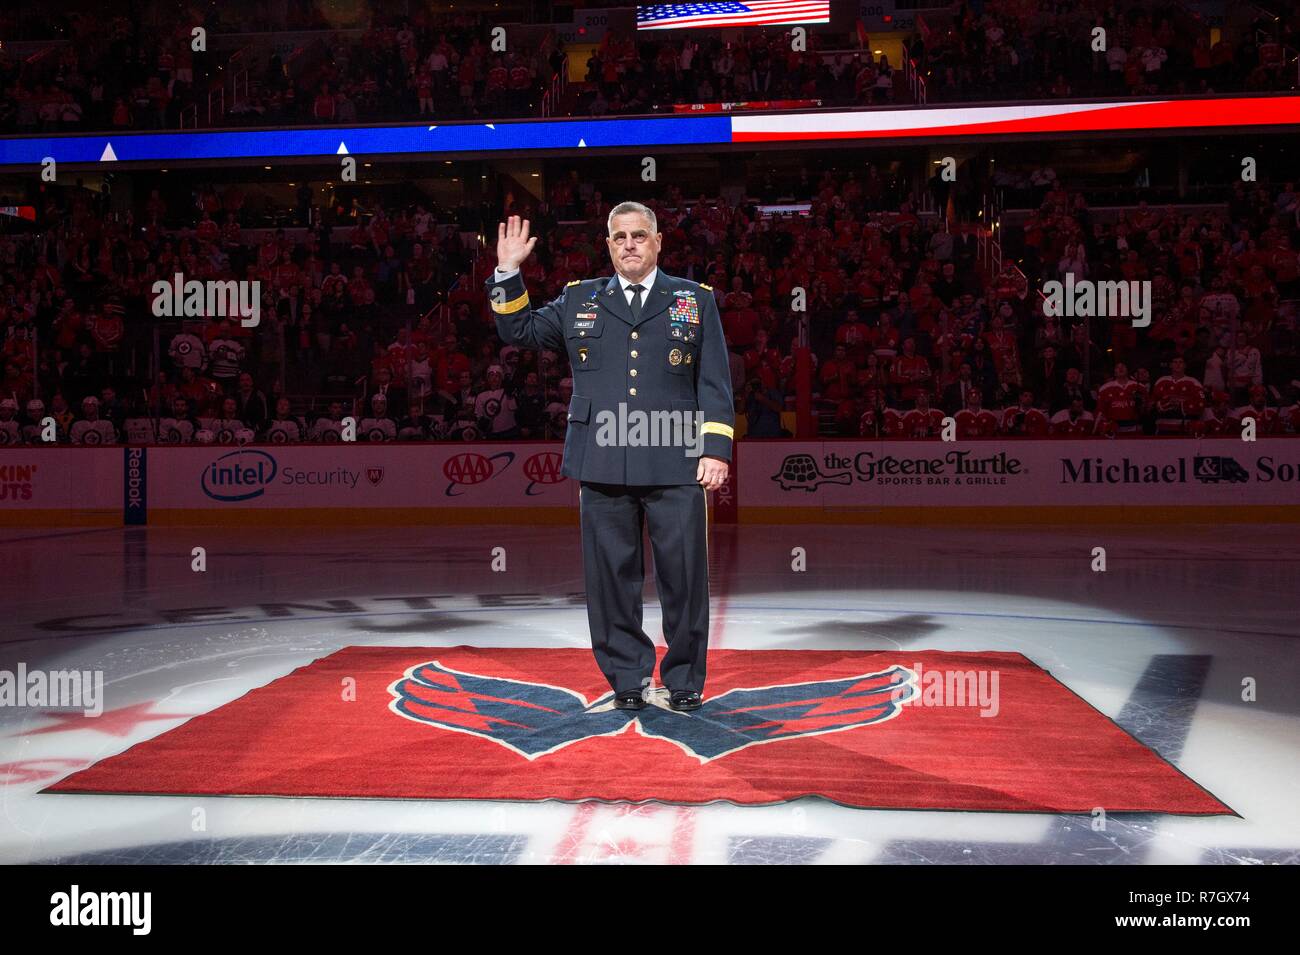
point(709, 287)
point(574, 282)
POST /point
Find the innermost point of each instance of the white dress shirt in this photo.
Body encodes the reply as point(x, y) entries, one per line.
point(646, 284)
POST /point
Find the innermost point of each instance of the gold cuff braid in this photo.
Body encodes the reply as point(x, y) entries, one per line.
point(717, 427)
point(508, 308)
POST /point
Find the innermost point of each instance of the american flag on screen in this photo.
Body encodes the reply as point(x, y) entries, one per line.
point(676, 16)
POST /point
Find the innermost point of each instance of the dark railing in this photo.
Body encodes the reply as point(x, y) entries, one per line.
point(556, 88)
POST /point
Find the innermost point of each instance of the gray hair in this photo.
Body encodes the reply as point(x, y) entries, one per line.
point(626, 208)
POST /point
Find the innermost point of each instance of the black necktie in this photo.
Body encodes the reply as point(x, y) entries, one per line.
point(636, 299)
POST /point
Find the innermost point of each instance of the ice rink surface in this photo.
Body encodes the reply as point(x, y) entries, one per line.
point(1161, 642)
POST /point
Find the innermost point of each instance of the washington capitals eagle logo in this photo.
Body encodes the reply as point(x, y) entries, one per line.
point(536, 719)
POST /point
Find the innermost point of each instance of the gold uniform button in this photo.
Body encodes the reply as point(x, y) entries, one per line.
point(635, 336)
point(631, 391)
point(634, 353)
point(632, 372)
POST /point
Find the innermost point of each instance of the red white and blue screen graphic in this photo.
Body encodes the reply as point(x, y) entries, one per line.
point(754, 13)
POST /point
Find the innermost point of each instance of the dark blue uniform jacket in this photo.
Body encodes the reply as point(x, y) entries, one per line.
point(673, 358)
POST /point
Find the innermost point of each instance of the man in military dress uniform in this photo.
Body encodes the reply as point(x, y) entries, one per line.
point(648, 342)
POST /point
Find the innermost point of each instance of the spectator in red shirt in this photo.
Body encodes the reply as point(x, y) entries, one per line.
point(911, 373)
point(207, 230)
point(108, 328)
point(498, 78)
point(855, 335)
point(838, 376)
point(358, 286)
point(122, 118)
point(467, 77)
point(231, 236)
point(740, 322)
point(323, 108)
point(885, 338)
point(424, 91)
point(763, 361)
point(287, 274)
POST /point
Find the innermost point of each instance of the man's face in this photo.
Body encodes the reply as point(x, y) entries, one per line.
point(632, 248)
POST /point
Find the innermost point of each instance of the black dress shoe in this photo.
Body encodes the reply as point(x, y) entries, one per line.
point(683, 701)
point(631, 700)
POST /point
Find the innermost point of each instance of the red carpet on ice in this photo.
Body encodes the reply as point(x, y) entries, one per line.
point(877, 729)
